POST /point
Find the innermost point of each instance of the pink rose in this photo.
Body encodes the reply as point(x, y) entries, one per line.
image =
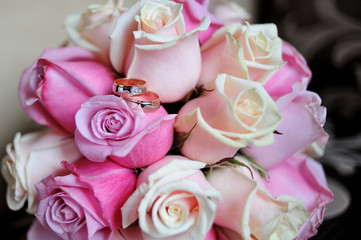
point(107, 127)
point(32, 157)
point(295, 70)
point(161, 49)
point(81, 206)
point(248, 211)
point(204, 3)
point(92, 28)
point(223, 120)
point(52, 89)
point(306, 180)
point(302, 123)
point(251, 51)
point(193, 13)
point(38, 232)
point(173, 200)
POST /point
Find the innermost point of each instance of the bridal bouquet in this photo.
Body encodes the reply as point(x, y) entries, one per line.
point(169, 120)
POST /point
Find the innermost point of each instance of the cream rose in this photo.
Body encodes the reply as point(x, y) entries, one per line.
point(162, 52)
point(248, 211)
point(251, 51)
point(231, 116)
point(32, 157)
point(173, 200)
point(92, 29)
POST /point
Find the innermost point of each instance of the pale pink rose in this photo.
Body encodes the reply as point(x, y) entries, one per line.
point(85, 204)
point(173, 200)
point(32, 157)
point(295, 70)
point(52, 89)
point(92, 28)
point(252, 51)
point(302, 123)
point(304, 178)
point(223, 120)
point(229, 12)
point(249, 211)
point(193, 13)
point(108, 127)
point(162, 52)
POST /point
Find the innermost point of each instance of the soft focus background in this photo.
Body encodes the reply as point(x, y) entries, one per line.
point(326, 32)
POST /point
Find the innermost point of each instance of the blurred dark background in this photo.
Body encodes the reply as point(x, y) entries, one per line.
point(328, 34)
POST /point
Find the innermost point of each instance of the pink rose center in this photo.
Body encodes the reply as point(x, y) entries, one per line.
point(113, 124)
point(65, 213)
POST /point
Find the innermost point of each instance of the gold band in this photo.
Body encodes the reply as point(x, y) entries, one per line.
point(129, 86)
point(148, 101)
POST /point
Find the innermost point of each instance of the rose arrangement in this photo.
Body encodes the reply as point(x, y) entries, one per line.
point(224, 156)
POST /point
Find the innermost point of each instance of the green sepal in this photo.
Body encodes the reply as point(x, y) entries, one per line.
point(262, 171)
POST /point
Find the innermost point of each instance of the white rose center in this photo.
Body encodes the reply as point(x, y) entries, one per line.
point(249, 107)
point(154, 16)
point(261, 41)
point(176, 210)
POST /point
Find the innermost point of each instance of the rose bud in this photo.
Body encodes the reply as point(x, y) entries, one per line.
point(52, 89)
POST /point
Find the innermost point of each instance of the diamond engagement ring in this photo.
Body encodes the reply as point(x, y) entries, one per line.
point(129, 86)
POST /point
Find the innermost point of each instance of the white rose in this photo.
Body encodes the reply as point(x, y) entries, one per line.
point(92, 29)
point(31, 158)
point(251, 51)
point(173, 201)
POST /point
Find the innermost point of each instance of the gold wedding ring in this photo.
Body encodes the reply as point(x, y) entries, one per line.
point(148, 101)
point(129, 86)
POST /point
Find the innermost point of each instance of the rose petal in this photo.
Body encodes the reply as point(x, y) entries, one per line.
point(38, 232)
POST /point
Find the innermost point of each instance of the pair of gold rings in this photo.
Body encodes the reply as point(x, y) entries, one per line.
point(135, 92)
